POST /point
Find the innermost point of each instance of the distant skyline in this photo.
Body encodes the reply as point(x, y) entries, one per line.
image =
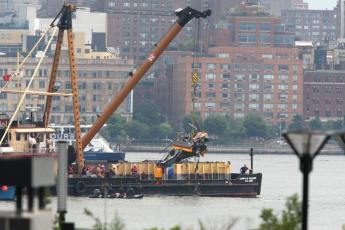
point(321, 4)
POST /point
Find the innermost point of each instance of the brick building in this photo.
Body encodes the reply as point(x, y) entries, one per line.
point(324, 93)
point(240, 80)
point(252, 31)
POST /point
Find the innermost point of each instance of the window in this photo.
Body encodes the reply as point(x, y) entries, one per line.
point(294, 106)
point(269, 67)
point(283, 96)
point(225, 95)
point(210, 76)
point(225, 86)
point(265, 39)
point(210, 105)
point(268, 106)
point(283, 67)
point(67, 85)
point(248, 26)
point(224, 105)
point(68, 108)
point(210, 66)
point(223, 55)
point(267, 56)
point(253, 106)
point(239, 106)
point(283, 87)
point(294, 87)
point(239, 86)
point(254, 96)
point(249, 38)
point(197, 105)
point(254, 76)
point(239, 77)
point(226, 76)
point(97, 85)
point(210, 86)
point(42, 84)
point(239, 96)
point(254, 86)
point(282, 106)
point(268, 76)
point(283, 77)
point(225, 66)
point(268, 96)
point(210, 94)
point(265, 27)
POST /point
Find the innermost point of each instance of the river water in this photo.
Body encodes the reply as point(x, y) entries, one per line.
point(281, 179)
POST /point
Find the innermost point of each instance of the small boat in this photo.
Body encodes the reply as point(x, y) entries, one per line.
point(98, 194)
point(125, 196)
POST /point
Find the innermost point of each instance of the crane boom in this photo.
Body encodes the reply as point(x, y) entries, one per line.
point(184, 16)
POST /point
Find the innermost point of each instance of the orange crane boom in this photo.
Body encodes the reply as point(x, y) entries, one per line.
point(184, 16)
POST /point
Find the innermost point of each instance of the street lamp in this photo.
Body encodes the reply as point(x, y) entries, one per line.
point(306, 145)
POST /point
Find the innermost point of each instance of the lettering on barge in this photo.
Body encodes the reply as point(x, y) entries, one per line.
point(63, 136)
point(248, 179)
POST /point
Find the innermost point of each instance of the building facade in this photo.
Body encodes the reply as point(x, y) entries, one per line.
point(98, 81)
point(252, 31)
point(241, 80)
point(324, 94)
point(311, 25)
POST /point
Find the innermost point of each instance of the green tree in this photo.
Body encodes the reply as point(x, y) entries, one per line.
point(116, 224)
point(215, 124)
point(137, 130)
point(297, 122)
point(147, 112)
point(115, 129)
point(187, 121)
point(315, 124)
point(234, 131)
point(254, 126)
point(165, 129)
point(290, 218)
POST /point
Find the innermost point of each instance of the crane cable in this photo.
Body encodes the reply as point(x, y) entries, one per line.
point(26, 58)
point(195, 73)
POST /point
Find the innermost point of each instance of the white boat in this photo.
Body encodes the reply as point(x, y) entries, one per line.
point(99, 149)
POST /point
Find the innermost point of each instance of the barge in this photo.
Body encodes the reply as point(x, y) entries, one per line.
point(210, 179)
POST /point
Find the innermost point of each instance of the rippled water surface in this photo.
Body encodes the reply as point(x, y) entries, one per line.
point(281, 179)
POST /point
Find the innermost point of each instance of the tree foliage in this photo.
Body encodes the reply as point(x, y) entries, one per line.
point(297, 122)
point(254, 126)
point(216, 124)
point(147, 112)
point(290, 218)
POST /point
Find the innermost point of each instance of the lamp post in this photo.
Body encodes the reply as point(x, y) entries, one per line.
point(306, 145)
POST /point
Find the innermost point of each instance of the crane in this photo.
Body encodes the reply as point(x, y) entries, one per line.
point(184, 16)
point(65, 23)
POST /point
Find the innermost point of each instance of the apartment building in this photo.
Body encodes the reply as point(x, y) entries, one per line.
point(324, 93)
point(311, 25)
point(98, 80)
point(236, 81)
point(252, 30)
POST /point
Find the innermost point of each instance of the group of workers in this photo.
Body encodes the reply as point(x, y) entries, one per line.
point(34, 141)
